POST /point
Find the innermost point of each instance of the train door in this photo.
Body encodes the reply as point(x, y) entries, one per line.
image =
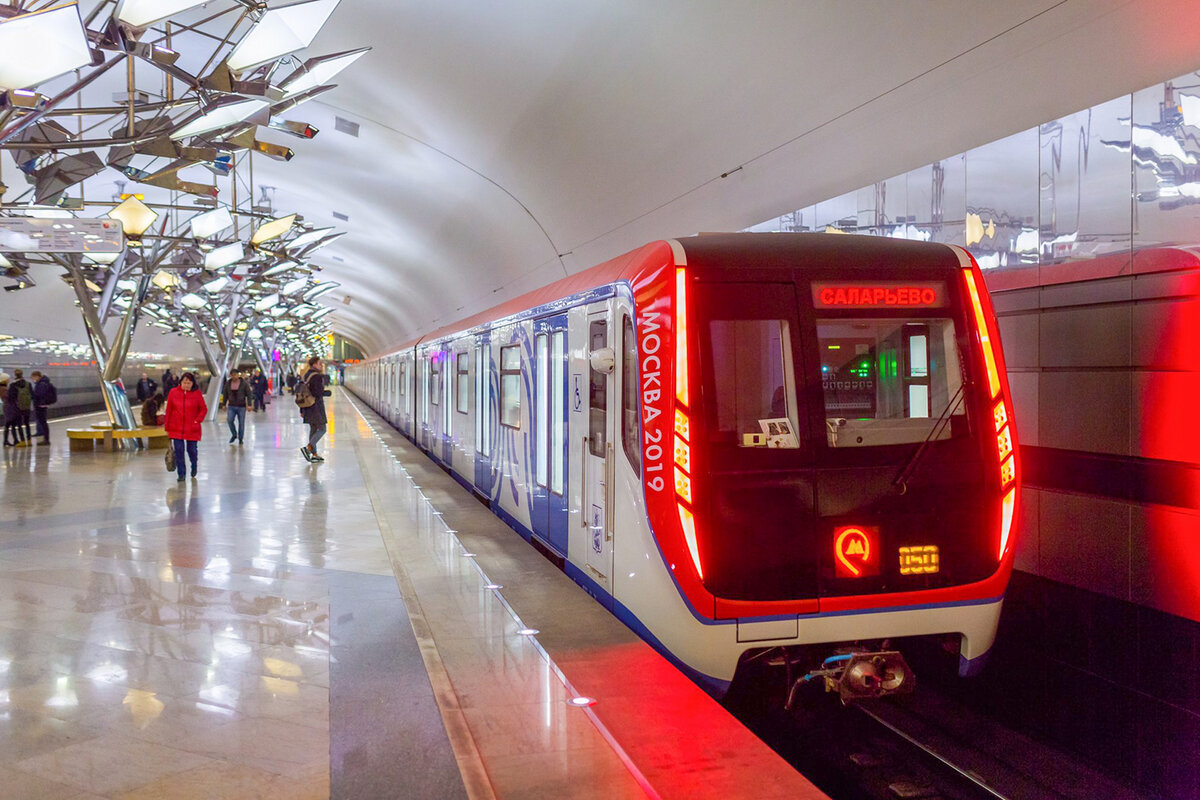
point(483, 414)
point(597, 446)
point(447, 422)
point(761, 538)
point(550, 510)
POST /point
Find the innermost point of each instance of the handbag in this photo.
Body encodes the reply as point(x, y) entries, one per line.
point(170, 457)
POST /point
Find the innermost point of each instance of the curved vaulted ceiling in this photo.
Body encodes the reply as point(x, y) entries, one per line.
point(501, 146)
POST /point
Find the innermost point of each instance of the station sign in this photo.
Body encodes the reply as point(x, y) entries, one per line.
point(60, 235)
point(879, 294)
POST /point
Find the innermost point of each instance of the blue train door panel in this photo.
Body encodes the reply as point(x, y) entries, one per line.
point(483, 414)
point(549, 516)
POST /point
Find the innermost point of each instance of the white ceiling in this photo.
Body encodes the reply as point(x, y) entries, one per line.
point(495, 137)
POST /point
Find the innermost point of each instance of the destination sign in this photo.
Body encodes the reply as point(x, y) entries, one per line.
point(60, 235)
point(887, 294)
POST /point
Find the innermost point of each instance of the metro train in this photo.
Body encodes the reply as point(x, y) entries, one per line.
point(78, 384)
point(742, 442)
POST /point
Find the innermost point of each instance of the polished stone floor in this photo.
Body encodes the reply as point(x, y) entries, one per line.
point(236, 635)
point(279, 629)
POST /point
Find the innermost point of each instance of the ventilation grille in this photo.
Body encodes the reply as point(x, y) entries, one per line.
point(345, 126)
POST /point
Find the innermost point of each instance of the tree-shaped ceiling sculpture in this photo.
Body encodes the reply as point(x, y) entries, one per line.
point(171, 98)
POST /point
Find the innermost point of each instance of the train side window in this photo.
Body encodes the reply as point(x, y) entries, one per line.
point(463, 385)
point(629, 396)
point(403, 378)
point(541, 399)
point(510, 386)
point(558, 357)
point(597, 392)
point(755, 382)
point(435, 381)
point(480, 372)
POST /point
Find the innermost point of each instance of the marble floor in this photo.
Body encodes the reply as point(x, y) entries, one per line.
point(280, 629)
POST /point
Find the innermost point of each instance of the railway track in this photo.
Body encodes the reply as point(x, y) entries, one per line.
point(919, 747)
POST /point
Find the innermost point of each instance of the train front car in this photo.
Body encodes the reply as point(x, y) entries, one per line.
point(829, 454)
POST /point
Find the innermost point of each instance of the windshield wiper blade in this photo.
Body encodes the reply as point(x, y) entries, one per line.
point(910, 467)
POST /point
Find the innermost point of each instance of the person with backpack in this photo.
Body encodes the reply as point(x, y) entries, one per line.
point(184, 420)
point(12, 417)
point(44, 396)
point(21, 393)
point(310, 399)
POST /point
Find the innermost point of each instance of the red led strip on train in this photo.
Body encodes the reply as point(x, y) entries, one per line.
point(879, 295)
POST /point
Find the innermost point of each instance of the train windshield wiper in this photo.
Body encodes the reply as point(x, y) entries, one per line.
point(910, 467)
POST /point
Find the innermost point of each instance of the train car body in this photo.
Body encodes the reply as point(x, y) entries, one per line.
point(740, 442)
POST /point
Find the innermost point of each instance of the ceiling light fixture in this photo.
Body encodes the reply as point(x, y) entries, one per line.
point(312, 237)
point(193, 301)
point(279, 32)
point(143, 13)
point(211, 223)
point(319, 71)
point(231, 111)
point(135, 217)
point(292, 287)
point(215, 285)
point(273, 229)
point(43, 45)
point(221, 257)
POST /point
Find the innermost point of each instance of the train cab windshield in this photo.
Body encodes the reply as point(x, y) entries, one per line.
point(889, 381)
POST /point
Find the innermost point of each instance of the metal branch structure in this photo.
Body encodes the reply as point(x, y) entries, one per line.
point(168, 100)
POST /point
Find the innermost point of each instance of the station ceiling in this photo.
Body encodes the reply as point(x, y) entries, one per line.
point(495, 147)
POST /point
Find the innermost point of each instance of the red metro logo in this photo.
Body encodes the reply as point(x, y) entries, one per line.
point(856, 551)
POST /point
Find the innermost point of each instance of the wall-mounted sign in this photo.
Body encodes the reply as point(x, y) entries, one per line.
point(60, 235)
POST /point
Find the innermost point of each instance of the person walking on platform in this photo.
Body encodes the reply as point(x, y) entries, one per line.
point(12, 416)
point(259, 385)
point(21, 393)
point(311, 386)
point(184, 421)
point(291, 382)
point(168, 382)
point(146, 388)
point(44, 396)
point(234, 397)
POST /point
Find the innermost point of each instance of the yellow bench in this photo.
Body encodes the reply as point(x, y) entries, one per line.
point(86, 438)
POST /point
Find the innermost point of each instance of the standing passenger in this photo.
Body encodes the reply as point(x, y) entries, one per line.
point(234, 398)
point(21, 393)
point(44, 396)
point(259, 386)
point(168, 382)
point(184, 420)
point(314, 380)
point(12, 416)
point(146, 387)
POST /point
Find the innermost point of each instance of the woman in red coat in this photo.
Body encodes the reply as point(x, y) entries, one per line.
point(186, 410)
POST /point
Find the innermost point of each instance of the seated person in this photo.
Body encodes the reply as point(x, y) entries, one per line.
point(150, 408)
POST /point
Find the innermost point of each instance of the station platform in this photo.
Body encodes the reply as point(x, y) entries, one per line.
point(353, 629)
